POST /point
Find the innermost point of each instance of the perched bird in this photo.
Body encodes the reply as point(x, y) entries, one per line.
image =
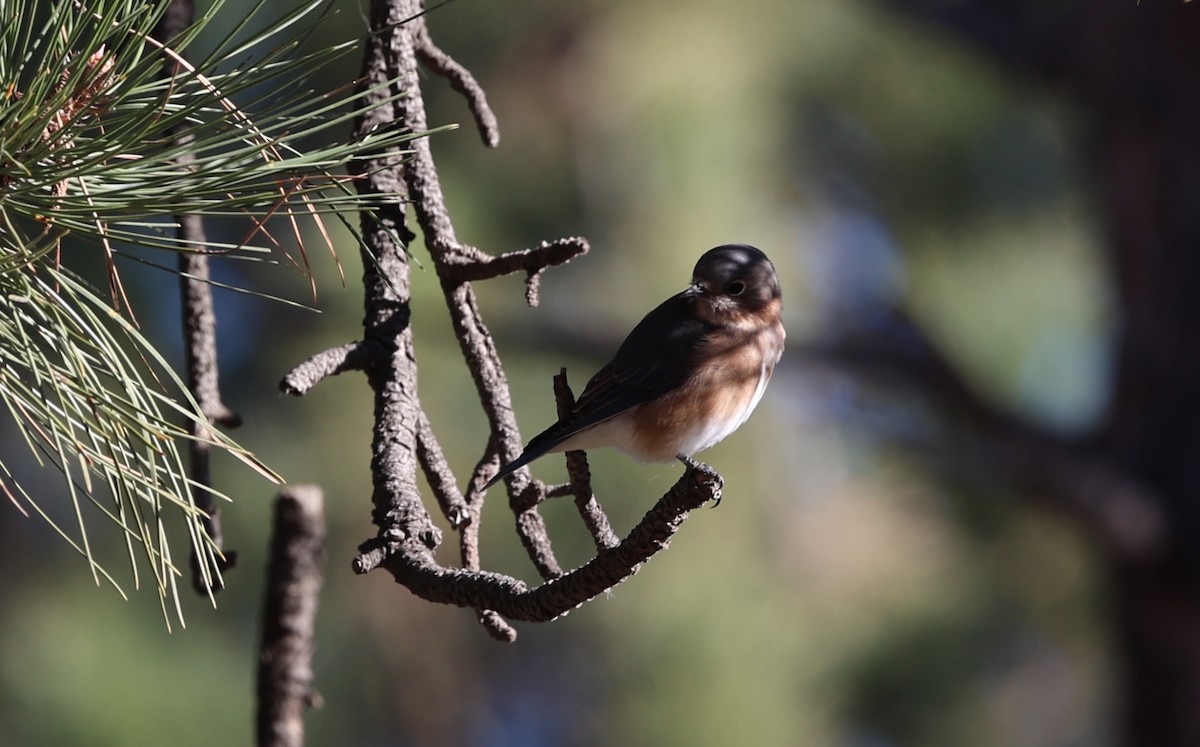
point(688, 374)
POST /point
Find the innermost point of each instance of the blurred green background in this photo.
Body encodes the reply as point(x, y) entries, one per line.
point(842, 594)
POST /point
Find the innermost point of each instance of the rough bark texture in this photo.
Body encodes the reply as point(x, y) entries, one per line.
point(404, 439)
point(289, 617)
point(200, 339)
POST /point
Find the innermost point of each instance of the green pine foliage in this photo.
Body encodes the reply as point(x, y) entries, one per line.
point(99, 148)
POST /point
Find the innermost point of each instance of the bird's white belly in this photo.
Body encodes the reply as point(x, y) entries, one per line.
point(711, 431)
point(616, 432)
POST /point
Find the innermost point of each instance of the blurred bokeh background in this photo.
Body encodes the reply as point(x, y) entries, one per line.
point(861, 585)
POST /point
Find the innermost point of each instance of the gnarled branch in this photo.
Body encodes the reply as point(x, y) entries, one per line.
point(404, 441)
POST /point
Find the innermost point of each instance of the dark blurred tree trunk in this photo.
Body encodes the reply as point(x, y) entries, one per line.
point(1135, 71)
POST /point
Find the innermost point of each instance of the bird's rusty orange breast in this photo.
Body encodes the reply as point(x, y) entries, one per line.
point(728, 380)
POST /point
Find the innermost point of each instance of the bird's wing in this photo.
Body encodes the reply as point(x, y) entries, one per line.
point(654, 359)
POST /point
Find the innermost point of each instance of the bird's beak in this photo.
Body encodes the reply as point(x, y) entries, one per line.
point(695, 289)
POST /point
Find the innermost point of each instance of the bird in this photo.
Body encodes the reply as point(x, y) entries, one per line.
point(688, 375)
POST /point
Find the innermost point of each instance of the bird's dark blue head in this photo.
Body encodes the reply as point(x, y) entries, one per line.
point(736, 275)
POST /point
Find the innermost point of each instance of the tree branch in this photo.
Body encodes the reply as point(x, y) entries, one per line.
point(468, 263)
point(415, 568)
point(200, 339)
point(289, 617)
point(461, 81)
point(354, 356)
point(404, 441)
point(580, 475)
point(437, 472)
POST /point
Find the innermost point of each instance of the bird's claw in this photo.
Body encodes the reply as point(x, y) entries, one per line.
point(695, 465)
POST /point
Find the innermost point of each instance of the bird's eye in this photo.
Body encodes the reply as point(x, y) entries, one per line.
point(736, 288)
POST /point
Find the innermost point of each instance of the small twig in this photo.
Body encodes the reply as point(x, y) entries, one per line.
point(200, 352)
point(461, 81)
point(560, 491)
point(354, 356)
point(294, 581)
point(200, 326)
point(494, 624)
point(531, 529)
point(497, 627)
point(533, 289)
point(200, 339)
point(437, 472)
point(468, 264)
point(580, 475)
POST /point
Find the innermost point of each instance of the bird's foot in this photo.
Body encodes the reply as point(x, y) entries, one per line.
point(707, 472)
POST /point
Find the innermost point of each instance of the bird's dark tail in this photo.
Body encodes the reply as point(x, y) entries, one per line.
point(539, 446)
point(512, 467)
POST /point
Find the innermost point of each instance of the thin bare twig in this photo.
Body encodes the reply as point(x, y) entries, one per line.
point(471, 264)
point(200, 338)
point(580, 475)
point(353, 356)
point(461, 81)
point(437, 472)
point(200, 352)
